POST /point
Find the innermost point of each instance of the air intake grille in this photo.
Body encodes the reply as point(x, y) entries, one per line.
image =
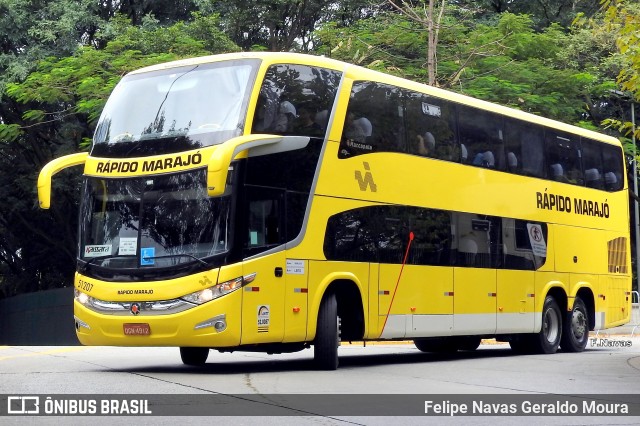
point(618, 255)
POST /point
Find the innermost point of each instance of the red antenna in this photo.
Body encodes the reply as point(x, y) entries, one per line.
point(404, 261)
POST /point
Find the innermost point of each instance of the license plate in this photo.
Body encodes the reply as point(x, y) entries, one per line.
point(137, 329)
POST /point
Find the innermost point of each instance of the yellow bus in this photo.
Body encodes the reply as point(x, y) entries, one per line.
point(277, 201)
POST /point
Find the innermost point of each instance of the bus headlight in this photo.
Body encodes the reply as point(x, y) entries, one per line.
point(218, 290)
point(82, 297)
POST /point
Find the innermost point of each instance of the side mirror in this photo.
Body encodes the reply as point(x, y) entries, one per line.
point(50, 169)
point(221, 158)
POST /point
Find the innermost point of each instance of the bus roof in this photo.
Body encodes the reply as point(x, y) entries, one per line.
point(356, 72)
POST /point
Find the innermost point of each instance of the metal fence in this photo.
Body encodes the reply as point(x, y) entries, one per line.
point(635, 311)
point(42, 318)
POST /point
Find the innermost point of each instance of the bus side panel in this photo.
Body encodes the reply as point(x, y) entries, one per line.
point(263, 300)
point(516, 297)
point(432, 300)
point(615, 301)
point(582, 281)
point(417, 299)
point(474, 301)
point(580, 250)
point(295, 301)
point(374, 320)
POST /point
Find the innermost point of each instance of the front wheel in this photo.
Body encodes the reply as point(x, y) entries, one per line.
point(194, 356)
point(325, 349)
point(575, 331)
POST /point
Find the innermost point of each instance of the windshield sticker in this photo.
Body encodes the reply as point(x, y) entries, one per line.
point(536, 237)
point(263, 318)
point(128, 246)
point(97, 250)
point(253, 238)
point(147, 255)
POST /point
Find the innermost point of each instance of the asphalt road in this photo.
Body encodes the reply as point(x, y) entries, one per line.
point(493, 372)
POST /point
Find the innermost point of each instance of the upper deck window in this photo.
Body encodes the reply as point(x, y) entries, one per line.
point(385, 118)
point(176, 109)
point(295, 100)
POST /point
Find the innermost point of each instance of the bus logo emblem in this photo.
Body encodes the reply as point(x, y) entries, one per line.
point(367, 181)
point(135, 308)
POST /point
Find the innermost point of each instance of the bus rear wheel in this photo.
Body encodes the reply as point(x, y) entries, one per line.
point(194, 356)
point(548, 340)
point(575, 332)
point(325, 346)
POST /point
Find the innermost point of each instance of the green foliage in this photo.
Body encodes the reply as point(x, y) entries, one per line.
point(622, 19)
point(82, 82)
point(60, 59)
point(506, 61)
point(51, 111)
point(281, 25)
point(9, 132)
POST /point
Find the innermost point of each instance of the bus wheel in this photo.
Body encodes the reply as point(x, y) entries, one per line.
point(194, 356)
point(548, 340)
point(469, 343)
point(575, 331)
point(521, 343)
point(325, 349)
point(437, 344)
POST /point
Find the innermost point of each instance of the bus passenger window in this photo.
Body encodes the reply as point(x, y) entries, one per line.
point(429, 123)
point(481, 133)
point(291, 97)
point(305, 123)
point(592, 163)
point(612, 168)
point(563, 157)
point(524, 145)
point(519, 237)
point(374, 120)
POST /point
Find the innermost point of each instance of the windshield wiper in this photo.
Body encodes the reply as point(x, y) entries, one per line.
point(94, 259)
point(169, 256)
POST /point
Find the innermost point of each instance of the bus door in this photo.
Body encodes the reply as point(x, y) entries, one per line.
point(263, 299)
point(475, 292)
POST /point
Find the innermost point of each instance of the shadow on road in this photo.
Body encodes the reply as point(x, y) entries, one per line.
point(216, 363)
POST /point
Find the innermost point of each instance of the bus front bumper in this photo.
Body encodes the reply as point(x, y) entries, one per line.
point(216, 324)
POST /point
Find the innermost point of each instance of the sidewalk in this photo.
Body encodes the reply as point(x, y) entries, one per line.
point(626, 329)
point(633, 326)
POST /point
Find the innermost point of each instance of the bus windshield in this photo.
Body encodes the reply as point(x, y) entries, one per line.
point(176, 109)
point(152, 222)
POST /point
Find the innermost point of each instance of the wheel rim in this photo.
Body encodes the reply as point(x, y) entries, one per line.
point(578, 324)
point(551, 325)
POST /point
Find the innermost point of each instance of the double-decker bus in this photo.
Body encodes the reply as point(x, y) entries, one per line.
point(276, 201)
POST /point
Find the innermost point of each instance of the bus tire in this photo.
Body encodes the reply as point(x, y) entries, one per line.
point(548, 340)
point(469, 343)
point(325, 347)
point(521, 343)
point(437, 344)
point(575, 332)
point(194, 356)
